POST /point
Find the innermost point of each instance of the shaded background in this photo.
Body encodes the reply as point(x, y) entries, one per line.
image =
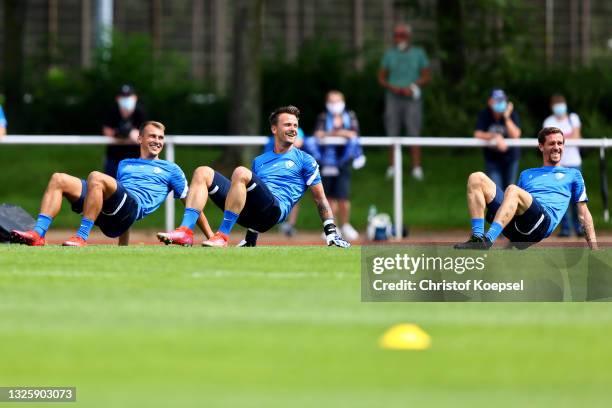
point(188, 59)
point(218, 67)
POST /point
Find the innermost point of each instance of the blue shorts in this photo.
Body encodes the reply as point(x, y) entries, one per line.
point(261, 210)
point(118, 213)
point(522, 230)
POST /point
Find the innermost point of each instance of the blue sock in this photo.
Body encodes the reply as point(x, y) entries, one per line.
point(85, 228)
point(478, 227)
point(229, 219)
point(190, 217)
point(42, 224)
point(494, 230)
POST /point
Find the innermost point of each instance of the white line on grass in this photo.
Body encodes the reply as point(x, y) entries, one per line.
point(267, 275)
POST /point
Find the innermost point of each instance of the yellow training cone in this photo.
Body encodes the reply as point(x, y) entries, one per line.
point(405, 337)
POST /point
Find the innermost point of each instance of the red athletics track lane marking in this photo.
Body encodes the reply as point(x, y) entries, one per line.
point(552, 244)
point(417, 237)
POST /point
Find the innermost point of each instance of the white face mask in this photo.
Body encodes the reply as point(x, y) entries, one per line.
point(335, 108)
point(559, 109)
point(127, 103)
point(402, 45)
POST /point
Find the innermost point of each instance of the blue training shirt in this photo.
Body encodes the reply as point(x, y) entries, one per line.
point(3, 121)
point(287, 176)
point(554, 187)
point(150, 181)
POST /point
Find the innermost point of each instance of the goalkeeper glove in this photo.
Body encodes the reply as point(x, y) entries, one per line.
point(332, 237)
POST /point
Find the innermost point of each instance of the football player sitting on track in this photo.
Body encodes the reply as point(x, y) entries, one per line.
point(259, 198)
point(142, 185)
point(528, 212)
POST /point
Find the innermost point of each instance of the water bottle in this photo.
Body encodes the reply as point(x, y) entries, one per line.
point(372, 211)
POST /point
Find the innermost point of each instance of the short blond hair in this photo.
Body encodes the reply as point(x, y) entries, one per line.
point(153, 123)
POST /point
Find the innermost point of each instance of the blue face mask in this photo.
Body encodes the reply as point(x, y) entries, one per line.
point(127, 103)
point(500, 107)
point(559, 109)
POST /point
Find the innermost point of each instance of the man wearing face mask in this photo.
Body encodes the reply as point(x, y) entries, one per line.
point(570, 125)
point(121, 124)
point(403, 72)
point(336, 161)
point(496, 123)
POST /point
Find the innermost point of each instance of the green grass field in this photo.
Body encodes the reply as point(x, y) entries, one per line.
point(277, 327)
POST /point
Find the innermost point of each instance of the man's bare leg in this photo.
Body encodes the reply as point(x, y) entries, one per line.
point(100, 187)
point(417, 170)
point(236, 197)
point(294, 214)
point(234, 204)
point(333, 204)
point(60, 185)
point(415, 155)
point(124, 239)
point(198, 189)
point(201, 181)
point(516, 202)
point(481, 191)
point(344, 211)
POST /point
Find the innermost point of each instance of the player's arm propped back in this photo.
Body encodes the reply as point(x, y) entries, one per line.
point(586, 220)
point(327, 217)
point(579, 196)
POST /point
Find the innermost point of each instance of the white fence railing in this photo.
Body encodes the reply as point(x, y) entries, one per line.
point(223, 140)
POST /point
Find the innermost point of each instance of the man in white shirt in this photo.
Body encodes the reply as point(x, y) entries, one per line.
point(570, 125)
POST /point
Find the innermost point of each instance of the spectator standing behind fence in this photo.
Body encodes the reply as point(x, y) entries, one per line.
point(121, 124)
point(404, 70)
point(336, 160)
point(496, 123)
point(3, 123)
point(571, 126)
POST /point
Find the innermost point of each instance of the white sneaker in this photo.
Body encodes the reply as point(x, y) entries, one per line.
point(349, 232)
point(359, 162)
point(390, 172)
point(417, 173)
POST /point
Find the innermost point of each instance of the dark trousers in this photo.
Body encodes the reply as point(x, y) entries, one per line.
point(502, 174)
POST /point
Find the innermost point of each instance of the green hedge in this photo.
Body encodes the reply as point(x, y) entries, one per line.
point(74, 100)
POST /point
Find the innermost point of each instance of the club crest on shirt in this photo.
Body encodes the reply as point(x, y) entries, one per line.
point(289, 164)
point(559, 176)
point(157, 170)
